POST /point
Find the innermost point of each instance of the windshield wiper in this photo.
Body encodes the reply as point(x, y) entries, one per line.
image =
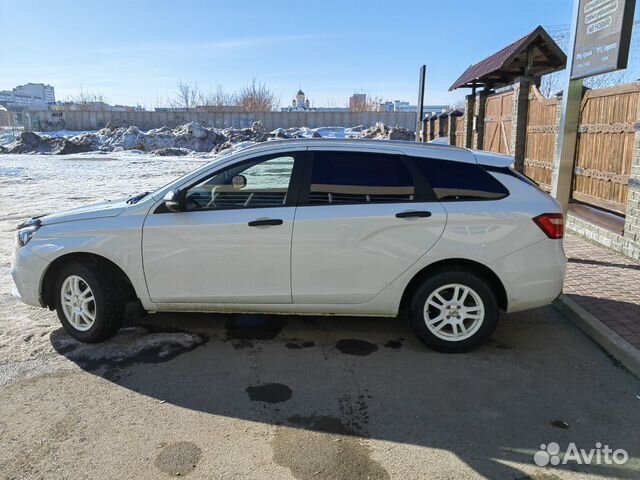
point(137, 198)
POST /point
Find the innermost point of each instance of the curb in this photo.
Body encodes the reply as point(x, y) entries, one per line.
point(613, 343)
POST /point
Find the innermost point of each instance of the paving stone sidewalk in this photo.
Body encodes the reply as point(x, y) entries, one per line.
point(605, 284)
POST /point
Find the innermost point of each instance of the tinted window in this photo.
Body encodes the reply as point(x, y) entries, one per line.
point(457, 181)
point(346, 177)
point(263, 183)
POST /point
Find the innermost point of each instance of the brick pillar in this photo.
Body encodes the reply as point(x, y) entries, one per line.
point(432, 128)
point(469, 112)
point(451, 133)
point(556, 140)
point(632, 217)
point(519, 121)
point(425, 130)
point(480, 107)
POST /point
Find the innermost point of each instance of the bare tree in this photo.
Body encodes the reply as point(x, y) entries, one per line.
point(257, 97)
point(609, 79)
point(554, 83)
point(218, 100)
point(187, 96)
point(85, 101)
point(551, 84)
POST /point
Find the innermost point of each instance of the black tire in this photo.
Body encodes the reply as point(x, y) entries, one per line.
point(109, 302)
point(441, 278)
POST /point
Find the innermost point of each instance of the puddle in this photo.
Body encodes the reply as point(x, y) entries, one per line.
point(299, 346)
point(393, 344)
point(178, 458)
point(560, 424)
point(269, 393)
point(359, 348)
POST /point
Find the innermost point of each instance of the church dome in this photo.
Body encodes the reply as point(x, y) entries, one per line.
point(300, 92)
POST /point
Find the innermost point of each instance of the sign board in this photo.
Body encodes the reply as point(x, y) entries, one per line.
point(603, 36)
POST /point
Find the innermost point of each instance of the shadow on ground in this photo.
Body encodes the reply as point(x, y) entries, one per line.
point(538, 380)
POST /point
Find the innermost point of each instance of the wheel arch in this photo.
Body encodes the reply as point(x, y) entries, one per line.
point(47, 293)
point(476, 267)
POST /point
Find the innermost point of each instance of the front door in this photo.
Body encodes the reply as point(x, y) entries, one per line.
point(232, 244)
point(363, 221)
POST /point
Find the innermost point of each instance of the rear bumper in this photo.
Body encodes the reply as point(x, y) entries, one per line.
point(533, 276)
point(27, 270)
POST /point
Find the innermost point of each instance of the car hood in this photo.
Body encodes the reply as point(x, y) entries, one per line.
point(97, 210)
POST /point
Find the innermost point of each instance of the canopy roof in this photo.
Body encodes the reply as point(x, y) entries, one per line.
point(534, 54)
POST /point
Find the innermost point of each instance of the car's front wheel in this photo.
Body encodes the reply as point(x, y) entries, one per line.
point(453, 310)
point(89, 307)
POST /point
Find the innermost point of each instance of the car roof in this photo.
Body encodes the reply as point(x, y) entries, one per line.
point(418, 149)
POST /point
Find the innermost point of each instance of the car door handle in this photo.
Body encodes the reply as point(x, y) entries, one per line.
point(266, 221)
point(414, 214)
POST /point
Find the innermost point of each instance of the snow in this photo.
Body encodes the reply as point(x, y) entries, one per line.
point(36, 184)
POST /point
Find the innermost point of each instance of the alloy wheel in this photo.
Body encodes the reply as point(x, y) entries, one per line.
point(78, 303)
point(454, 312)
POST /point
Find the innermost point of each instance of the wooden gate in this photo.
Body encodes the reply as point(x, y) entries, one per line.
point(460, 132)
point(542, 128)
point(497, 123)
point(608, 120)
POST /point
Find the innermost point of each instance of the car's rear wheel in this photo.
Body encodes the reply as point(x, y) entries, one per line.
point(89, 307)
point(453, 310)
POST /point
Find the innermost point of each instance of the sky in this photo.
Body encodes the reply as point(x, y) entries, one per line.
point(136, 51)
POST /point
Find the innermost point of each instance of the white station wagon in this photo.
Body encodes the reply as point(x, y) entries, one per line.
point(314, 227)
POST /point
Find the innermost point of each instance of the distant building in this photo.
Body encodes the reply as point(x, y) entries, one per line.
point(37, 90)
point(31, 94)
point(299, 104)
point(330, 109)
point(357, 101)
point(96, 107)
point(401, 106)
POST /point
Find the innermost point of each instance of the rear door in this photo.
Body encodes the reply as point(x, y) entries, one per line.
point(362, 220)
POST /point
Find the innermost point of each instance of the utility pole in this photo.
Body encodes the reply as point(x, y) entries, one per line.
point(420, 113)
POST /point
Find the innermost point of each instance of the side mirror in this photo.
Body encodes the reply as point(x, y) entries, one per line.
point(239, 182)
point(174, 201)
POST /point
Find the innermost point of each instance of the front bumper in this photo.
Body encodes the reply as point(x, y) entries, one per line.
point(27, 271)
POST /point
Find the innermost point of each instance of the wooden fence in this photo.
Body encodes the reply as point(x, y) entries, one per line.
point(497, 123)
point(460, 133)
point(608, 120)
point(542, 129)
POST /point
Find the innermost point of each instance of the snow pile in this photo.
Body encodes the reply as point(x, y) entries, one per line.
point(131, 345)
point(383, 132)
point(184, 139)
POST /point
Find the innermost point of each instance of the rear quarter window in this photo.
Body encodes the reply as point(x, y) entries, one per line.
point(459, 181)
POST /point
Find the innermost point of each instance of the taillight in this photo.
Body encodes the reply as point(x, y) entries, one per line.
point(552, 224)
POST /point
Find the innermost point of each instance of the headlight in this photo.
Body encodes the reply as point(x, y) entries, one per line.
point(24, 234)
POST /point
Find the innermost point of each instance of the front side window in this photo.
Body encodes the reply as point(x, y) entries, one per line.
point(255, 184)
point(340, 178)
point(459, 181)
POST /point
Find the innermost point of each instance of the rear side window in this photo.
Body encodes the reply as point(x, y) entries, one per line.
point(459, 181)
point(348, 177)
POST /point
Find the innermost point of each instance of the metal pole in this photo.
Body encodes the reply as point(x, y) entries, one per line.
point(562, 181)
point(420, 113)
